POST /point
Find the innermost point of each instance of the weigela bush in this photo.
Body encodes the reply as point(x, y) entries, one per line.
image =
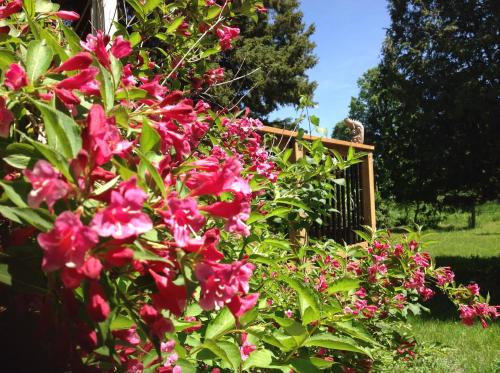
point(143, 230)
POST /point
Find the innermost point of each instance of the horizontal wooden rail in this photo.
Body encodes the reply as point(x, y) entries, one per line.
point(363, 174)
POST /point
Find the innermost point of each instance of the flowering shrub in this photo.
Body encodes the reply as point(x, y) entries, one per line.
point(140, 226)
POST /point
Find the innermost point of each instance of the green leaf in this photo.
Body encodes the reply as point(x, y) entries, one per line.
point(6, 59)
point(27, 215)
point(53, 43)
point(212, 12)
point(121, 322)
point(72, 38)
point(210, 52)
point(12, 194)
point(232, 352)
point(55, 158)
point(149, 137)
point(107, 88)
point(154, 173)
point(216, 350)
point(107, 186)
point(308, 305)
point(304, 366)
point(63, 134)
point(150, 6)
point(332, 342)
point(280, 212)
point(344, 284)
point(38, 59)
point(19, 155)
point(186, 366)
point(258, 359)
point(175, 24)
point(293, 202)
point(131, 94)
point(223, 322)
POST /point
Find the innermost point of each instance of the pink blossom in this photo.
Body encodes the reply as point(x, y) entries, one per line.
point(289, 313)
point(207, 246)
point(79, 61)
point(182, 218)
point(361, 292)
point(444, 275)
point(66, 96)
point(225, 179)
point(97, 45)
point(374, 270)
point(413, 245)
point(128, 78)
point(128, 335)
point(398, 250)
point(236, 212)
point(422, 259)
point(467, 314)
point(241, 305)
point(119, 256)
point(12, 7)
point(97, 307)
point(15, 77)
point(246, 348)
point(226, 34)
point(154, 88)
point(6, 118)
point(79, 80)
point(426, 293)
point(121, 48)
point(102, 139)
point(47, 185)
point(170, 296)
point(67, 243)
point(221, 282)
point(123, 217)
point(473, 288)
point(67, 15)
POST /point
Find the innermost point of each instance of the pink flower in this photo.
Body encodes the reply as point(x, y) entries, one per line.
point(226, 34)
point(236, 212)
point(170, 296)
point(426, 293)
point(221, 282)
point(97, 306)
point(97, 45)
point(79, 61)
point(14, 6)
point(289, 313)
point(15, 77)
point(66, 96)
point(241, 305)
point(422, 259)
point(246, 348)
point(128, 335)
point(473, 288)
point(79, 80)
point(207, 246)
point(123, 218)
point(121, 48)
point(444, 275)
point(102, 139)
point(119, 256)
point(413, 245)
point(223, 179)
point(6, 118)
point(398, 250)
point(182, 218)
point(128, 78)
point(467, 314)
point(67, 15)
point(47, 185)
point(67, 243)
point(361, 292)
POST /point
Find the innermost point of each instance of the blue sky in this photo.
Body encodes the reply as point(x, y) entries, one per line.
point(349, 36)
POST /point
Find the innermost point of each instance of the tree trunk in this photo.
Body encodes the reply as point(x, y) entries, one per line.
point(472, 217)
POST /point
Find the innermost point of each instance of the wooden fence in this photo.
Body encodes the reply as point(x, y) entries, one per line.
point(355, 201)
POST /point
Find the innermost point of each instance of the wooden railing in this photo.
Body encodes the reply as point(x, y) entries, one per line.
point(355, 202)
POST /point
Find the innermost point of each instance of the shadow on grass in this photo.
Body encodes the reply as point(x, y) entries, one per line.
point(483, 271)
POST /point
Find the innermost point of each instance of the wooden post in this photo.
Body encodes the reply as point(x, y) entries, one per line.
point(368, 185)
point(298, 238)
point(104, 12)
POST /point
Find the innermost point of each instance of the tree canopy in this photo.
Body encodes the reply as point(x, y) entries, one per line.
point(269, 61)
point(432, 105)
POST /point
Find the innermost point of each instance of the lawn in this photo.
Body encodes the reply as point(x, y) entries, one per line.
point(475, 255)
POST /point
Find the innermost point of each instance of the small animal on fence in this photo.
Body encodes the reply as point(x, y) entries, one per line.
point(357, 130)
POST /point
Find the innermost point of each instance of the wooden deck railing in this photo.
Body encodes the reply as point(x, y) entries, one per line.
point(355, 202)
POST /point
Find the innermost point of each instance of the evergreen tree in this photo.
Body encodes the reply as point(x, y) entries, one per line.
point(270, 61)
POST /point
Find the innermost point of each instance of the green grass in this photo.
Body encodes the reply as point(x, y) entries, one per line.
point(455, 347)
point(453, 238)
point(458, 348)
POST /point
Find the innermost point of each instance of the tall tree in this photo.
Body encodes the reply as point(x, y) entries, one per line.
point(433, 104)
point(270, 61)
